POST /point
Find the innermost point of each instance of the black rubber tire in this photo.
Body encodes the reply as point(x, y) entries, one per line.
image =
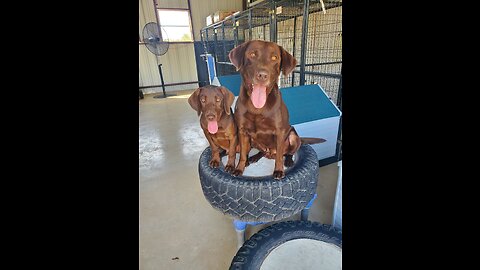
point(256, 249)
point(261, 199)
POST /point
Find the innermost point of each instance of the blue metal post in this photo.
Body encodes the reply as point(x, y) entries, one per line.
point(240, 227)
point(304, 214)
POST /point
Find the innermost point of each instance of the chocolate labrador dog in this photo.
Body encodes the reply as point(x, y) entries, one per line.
point(212, 104)
point(260, 113)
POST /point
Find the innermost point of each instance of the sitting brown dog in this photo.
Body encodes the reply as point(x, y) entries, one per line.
point(212, 104)
point(260, 113)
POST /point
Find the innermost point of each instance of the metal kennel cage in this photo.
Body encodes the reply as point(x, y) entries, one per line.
point(311, 30)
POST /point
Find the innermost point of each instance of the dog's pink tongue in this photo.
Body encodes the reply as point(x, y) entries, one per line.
point(212, 127)
point(259, 96)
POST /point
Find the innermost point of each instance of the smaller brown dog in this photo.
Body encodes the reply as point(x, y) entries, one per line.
point(212, 104)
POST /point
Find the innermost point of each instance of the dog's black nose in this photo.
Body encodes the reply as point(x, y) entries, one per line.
point(262, 75)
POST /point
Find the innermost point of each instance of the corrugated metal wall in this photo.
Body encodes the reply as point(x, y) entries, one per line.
point(172, 3)
point(179, 62)
point(148, 70)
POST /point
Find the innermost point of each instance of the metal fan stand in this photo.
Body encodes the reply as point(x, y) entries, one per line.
point(152, 39)
point(161, 79)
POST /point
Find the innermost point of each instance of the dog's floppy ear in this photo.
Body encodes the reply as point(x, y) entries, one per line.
point(194, 101)
point(228, 98)
point(237, 54)
point(288, 62)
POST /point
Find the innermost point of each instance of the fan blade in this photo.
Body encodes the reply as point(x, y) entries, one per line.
point(154, 38)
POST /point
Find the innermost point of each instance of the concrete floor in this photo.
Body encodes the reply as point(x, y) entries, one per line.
point(178, 227)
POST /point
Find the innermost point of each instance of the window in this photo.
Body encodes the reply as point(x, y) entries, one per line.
point(176, 24)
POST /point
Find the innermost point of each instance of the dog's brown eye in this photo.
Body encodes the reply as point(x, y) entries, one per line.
point(274, 58)
point(218, 100)
point(252, 54)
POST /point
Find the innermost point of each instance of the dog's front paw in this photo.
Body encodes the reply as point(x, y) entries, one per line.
point(237, 172)
point(214, 163)
point(278, 174)
point(230, 169)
